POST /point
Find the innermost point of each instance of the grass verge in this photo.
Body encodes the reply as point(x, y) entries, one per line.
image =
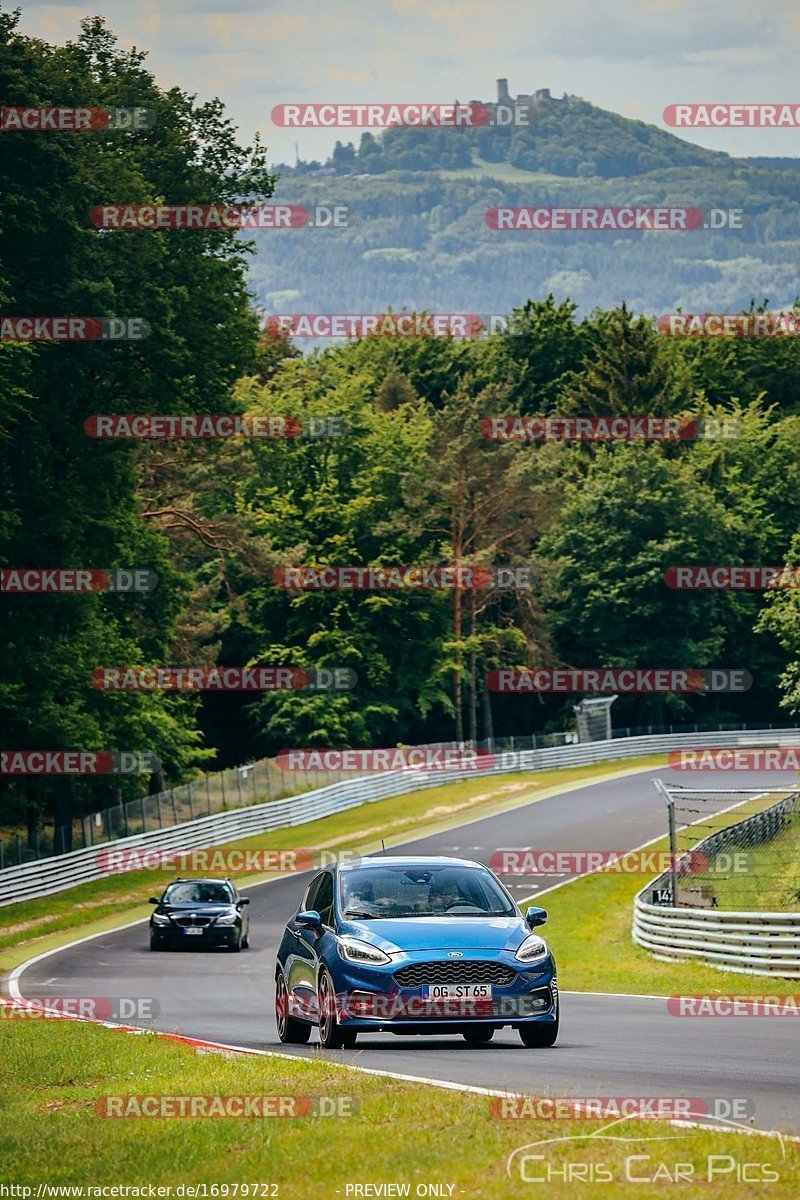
point(772, 880)
point(589, 928)
point(33, 926)
point(54, 1074)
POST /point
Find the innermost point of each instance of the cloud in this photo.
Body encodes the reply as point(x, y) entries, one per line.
point(633, 56)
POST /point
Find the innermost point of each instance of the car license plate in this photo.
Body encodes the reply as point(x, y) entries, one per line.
point(195, 932)
point(457, 991)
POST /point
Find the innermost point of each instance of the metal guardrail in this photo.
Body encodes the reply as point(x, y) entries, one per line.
point(46, 876)
point(748, 943)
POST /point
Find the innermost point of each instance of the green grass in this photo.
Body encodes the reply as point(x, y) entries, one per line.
point(589, 928)
point(506, 173)
point(772, 880)
point(33, 926)
point(53, 1073)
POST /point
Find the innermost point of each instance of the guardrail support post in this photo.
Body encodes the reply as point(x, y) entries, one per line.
point(673, 852)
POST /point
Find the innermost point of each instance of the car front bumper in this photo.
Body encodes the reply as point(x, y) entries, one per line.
point(370, 999)
point(209, 935)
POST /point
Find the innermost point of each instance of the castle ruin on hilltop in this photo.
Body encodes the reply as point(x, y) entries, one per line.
point(507, 100)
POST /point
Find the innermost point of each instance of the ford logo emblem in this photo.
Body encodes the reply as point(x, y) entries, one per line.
point(454, 954)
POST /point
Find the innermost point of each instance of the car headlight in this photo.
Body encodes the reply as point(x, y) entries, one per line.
point(228, 918)
point(532, 949)
point(160, 919)
point(353, 950)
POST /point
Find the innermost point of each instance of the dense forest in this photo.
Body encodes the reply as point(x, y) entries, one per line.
point(410, 479)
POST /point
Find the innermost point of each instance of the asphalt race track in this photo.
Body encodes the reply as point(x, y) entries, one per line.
point(608, 1045)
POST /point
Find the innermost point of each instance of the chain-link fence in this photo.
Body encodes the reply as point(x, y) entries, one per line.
point(732, 849)
point(235, 787)
point(256, 782)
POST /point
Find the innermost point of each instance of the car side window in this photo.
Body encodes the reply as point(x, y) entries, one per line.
point(324, 898)
point(310, 898)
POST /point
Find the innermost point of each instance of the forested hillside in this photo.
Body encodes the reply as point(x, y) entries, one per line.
point(418, 235)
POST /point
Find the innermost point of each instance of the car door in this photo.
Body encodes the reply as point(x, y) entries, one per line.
point(301, 964)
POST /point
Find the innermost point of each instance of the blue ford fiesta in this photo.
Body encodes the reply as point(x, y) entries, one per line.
point(412, 946)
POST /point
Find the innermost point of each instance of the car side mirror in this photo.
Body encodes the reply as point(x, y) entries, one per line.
point(154, 900)
point(244, 900)
point(534, 917)
point(310, 919)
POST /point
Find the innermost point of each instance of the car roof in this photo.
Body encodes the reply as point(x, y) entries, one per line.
point(420, 861)
point(200, 879)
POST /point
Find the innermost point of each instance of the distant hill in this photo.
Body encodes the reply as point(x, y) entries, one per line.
point(419, 237)
point(568, 137)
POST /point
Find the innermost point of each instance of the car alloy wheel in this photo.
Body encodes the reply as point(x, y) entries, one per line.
point(331, 1034)
point(290, 1031)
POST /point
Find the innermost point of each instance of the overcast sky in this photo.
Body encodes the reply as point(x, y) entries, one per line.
point(632, 56)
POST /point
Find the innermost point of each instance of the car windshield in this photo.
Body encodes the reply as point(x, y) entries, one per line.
point(397, 891)
point(198, 893)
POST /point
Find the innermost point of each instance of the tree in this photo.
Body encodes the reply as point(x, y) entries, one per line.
point(71, 499)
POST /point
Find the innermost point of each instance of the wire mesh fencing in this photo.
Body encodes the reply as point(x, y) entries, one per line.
point(731, 849)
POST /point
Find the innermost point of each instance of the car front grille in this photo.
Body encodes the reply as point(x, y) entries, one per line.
point(192, 922)
point(453, 972)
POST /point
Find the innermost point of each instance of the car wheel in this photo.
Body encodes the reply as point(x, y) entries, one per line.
point(539, 1035)
point(237, 945)
point(331, 1034)
point(477, 1037)
point(246, 942)
point(154, 945)
point(290, 1031)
